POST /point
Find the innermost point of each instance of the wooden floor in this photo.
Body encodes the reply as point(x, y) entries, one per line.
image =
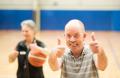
point(109, 40)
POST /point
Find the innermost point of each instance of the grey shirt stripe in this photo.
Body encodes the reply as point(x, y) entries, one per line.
point(81, 67)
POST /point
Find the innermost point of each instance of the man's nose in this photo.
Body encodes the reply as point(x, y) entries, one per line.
point(72, 39)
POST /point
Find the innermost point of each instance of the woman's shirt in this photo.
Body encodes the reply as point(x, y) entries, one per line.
point(25, 69)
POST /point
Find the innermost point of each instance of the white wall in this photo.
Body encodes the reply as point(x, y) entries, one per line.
point(62, 4)
point(16, 4)
point(81, 4)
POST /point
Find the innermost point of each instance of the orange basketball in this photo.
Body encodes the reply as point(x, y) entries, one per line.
point(36, 58)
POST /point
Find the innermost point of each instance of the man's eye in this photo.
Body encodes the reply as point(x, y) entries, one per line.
point(68, 36)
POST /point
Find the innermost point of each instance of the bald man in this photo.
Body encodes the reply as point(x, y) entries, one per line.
point(77, 61)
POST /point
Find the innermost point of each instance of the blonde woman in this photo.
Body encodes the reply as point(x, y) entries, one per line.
point(25, 69)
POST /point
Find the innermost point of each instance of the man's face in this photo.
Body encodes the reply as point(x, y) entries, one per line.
point(74, 39)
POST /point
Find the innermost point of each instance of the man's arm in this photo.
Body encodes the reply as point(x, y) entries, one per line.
point(101, 63)
point(53, 61)
point(56, 53)
point(101, 60)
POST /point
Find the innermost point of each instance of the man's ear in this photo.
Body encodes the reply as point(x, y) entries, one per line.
point(64, 35)
point(84, 35)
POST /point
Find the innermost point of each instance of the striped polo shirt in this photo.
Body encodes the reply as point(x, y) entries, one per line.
point(81, 67)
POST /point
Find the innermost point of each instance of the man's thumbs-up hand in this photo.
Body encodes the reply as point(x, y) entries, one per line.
point(60, 49)
point(94, 45)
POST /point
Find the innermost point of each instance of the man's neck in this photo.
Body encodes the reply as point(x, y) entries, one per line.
point(78, 53)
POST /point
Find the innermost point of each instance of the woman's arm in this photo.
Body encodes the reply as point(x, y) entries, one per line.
point(13, 56)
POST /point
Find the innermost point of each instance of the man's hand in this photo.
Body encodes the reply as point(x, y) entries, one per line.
point(60, 49)
point(101, 63)
point(94, 45)
point(57, 52)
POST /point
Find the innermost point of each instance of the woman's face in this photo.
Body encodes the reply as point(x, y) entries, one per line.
point(27, 32)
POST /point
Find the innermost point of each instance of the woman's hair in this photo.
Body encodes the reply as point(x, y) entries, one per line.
point(30, 23)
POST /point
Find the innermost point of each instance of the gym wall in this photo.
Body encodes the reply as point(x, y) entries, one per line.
point(54, 14)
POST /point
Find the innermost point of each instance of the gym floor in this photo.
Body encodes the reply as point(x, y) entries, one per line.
point(108, 39)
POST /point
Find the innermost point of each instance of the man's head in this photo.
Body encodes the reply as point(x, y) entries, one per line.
point(75, 35)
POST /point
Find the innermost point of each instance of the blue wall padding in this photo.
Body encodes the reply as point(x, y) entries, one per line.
point(56, 19)
point(10, 19)
point(93, 20)
point(116, 21)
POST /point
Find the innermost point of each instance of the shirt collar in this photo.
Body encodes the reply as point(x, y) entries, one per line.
point(34, 40)
point(82, 54)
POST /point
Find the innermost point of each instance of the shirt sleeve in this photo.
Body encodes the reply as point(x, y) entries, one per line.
point(17, 48)
point(63, 58)
point(94, 57)
point(20, 46)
